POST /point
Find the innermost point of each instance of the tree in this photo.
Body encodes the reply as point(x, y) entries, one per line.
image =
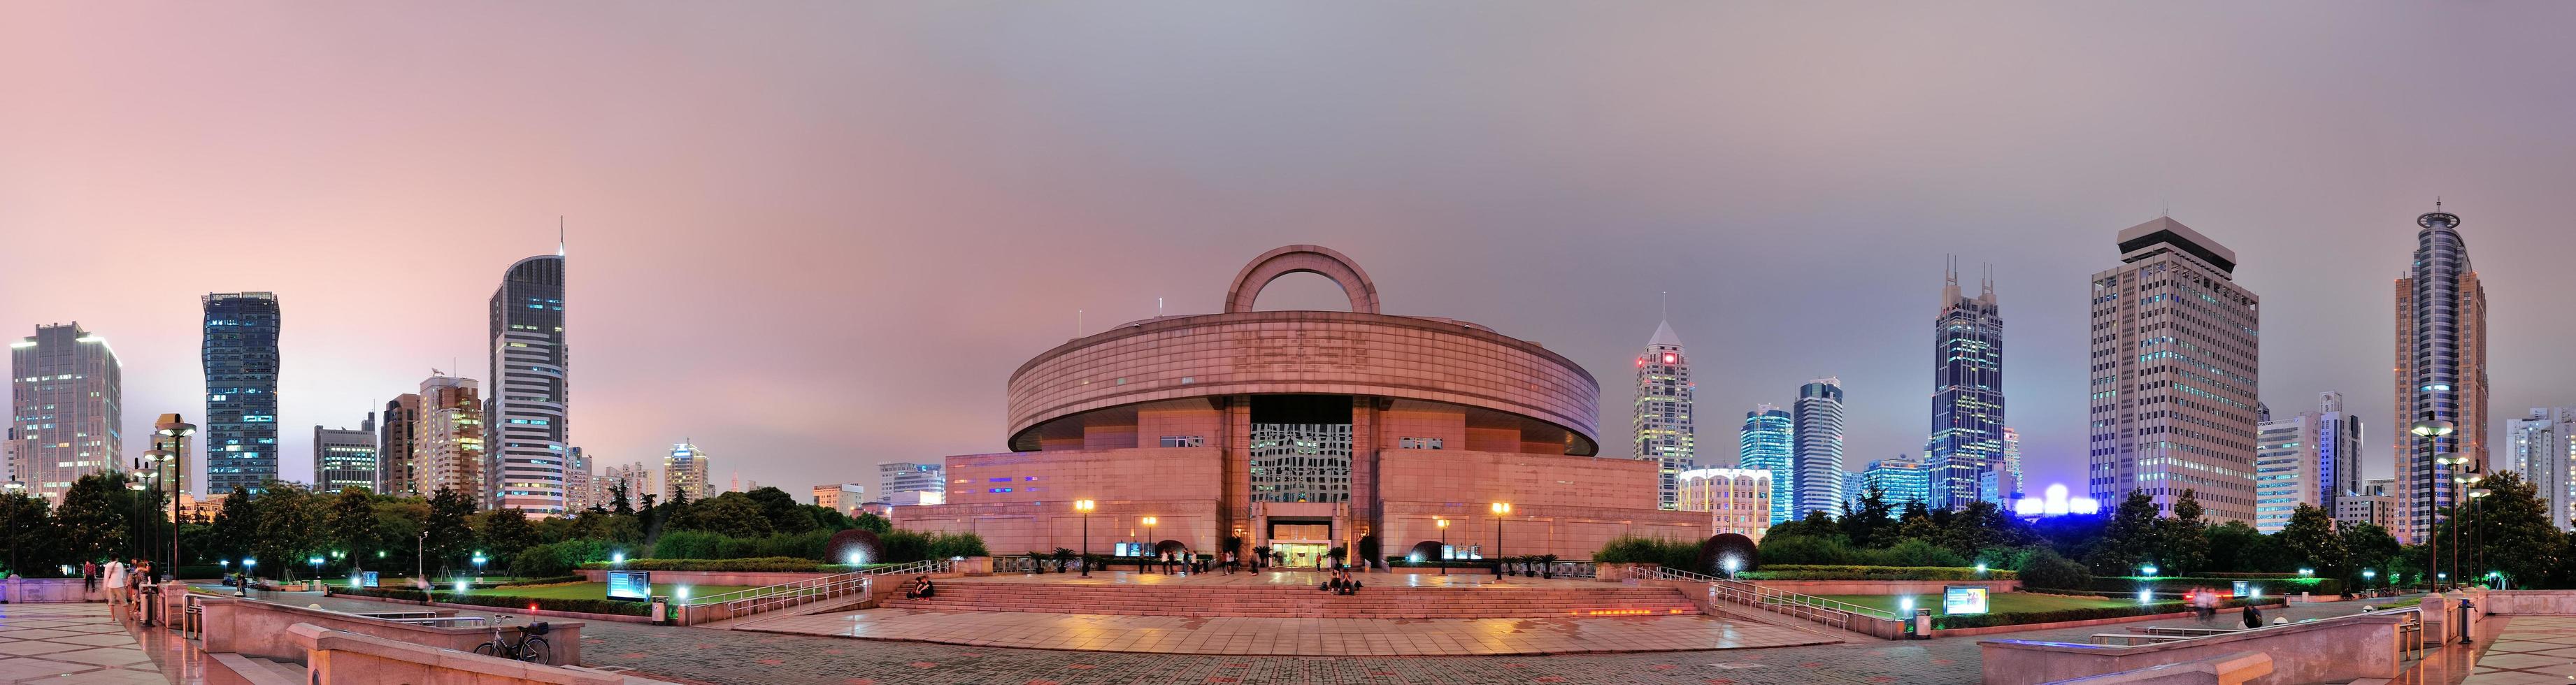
point(872, 523)
point(784, 514)
point(2128, 538)
point(235, 524)
point(289, 527)
point(353, 525)
point(2235, 547)
point(450, 532)
point(2311, 540)
point(94, 528)
point(29, 524)
point(732, 513)
point(1918, 523)
point(504, 532)
point(617, 499)
point(1982, 525)
point(1871, 525)
point(2370, 548)
point(2509, 531)
point(2181, 543)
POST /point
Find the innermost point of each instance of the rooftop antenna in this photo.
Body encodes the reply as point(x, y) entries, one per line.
point(559, 235)
point(1664, 302)
point(1077, 323)
point(1158, 307)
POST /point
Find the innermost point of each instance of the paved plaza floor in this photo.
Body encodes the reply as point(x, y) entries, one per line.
point(78, 644)
point(1282, 578)
point(2528, 650)
point(1301, 636)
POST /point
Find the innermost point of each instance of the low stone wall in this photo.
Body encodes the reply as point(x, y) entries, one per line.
point(1882, 587)
point(2332, 650)
point(2227, 669)
point(258, 628)
point(752, 578)
point(347, 658)
point(35, 590)
point(2525, 602)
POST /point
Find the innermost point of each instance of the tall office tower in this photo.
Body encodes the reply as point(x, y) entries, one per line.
point(2173, 368)
point(901, 477)
point(241, 390)
point(343, 458)
point(2372, 504)
point(841, 497)
point(685, 471)
point(578, 475)
point(1819, 438)
point(1768, 443)
point(447, 441)
point(1663, 413)
point(2311, 458)
point(1900, 481)
point(1855, 486)
point(2441, 372)
point(69, 407)
point(529, 399)
point(1967, 392)
point(1738, 500)
point(10, 446)
point(2003, 487)
point(2544, 448)
point(394, 448)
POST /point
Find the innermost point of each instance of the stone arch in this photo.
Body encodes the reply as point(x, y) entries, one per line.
point(1313, 259)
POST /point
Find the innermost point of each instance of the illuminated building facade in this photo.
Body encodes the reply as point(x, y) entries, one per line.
point(2441, 373)
point(1767, 443)
point(344, 459)
point(241, 365)
point(1738, 500)
point(1819, 439)
point(66, 392)
point(1967, 393)
point(1662, 423)
point(2173, 358)
point(530, 397)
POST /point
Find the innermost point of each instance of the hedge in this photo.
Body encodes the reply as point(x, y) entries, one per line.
point(1399, 562)
point(1947, 621)
point(757, 565)
point(895, 546)
point(1630, 549)
point(2178, 584)
point(1834, 572)
point(585, 605)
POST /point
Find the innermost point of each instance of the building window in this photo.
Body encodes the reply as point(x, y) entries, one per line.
point(1183, 441)
point(1417, 443)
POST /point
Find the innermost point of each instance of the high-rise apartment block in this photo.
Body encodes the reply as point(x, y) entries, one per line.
point(66, 398)
point(636, 478)
point(2173, 374)
point(841, 497)
point(241, 365)
point(344, 459)
point(1768, 443)
point(2544, 448)
point(1737, 500)
point(901, 477)
point(1819, 439)
point(2372, 504)
point(1663, 411)
point(1967, 439)
point(447, 440)
point(2441, 373)
point(529, 396)
point(394, 475)
point(1899, 482)
point(2003, 487)
point(579, 474)
point(684, 474)
point(2311, 458)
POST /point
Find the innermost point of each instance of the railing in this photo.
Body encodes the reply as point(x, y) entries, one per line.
point(1810, 607)
point(740, 603)
point(2410, 634)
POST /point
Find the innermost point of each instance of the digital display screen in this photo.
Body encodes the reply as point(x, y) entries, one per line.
point(1963, 599)
point(2243, 588)
point(367, 579)
point(635, 585)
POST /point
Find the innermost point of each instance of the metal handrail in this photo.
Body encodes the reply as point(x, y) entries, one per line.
point(755, 600)
point(1810, 607)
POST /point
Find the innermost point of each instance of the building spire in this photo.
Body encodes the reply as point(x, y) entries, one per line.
point(559, 235)
point(1950, 282)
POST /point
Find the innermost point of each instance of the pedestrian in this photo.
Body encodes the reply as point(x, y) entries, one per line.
point(114, 578)
point(1229, 562)
point(89, 576)
point(2253, 616)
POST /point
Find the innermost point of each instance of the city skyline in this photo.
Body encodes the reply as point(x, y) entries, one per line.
point(2322, 214)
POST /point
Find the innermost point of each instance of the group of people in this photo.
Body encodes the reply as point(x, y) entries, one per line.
point(1342, 581)
point(921, 588)
point(2204, 604)
point(1187, 561)
point(122, 580)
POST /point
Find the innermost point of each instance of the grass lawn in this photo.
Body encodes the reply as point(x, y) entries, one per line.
point(595, 590)
point(2000, 602)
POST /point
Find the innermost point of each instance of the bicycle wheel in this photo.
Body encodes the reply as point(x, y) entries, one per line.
point(488, 649)
point(535, 650)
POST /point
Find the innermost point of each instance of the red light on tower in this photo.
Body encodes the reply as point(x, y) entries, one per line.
point(1670, 358)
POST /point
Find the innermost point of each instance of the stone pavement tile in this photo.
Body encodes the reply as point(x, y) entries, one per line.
point(99, 640)
point(13, 670)
point(103, 677)
point(35, 647)
point(39, 633)
point(103, 656)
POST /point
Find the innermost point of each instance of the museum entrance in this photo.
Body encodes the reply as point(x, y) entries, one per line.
point(1301, 544)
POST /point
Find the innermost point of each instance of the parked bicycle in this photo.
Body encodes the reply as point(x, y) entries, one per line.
point(532, 646)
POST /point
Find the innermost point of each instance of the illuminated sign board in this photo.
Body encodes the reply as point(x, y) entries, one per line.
point(635, 585)
point(1963, 599)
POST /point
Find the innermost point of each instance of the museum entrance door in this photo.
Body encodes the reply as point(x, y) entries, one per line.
point(1302, 554)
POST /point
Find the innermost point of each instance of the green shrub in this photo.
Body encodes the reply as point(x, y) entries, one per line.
point(1804, 549)
point(584, 605)
point(761, 564)
point(1943, 622)
point(951, 545)
point(1915, 552)
point(1630, 549)
point(2044, 568)
point(2271, 587)
point(560, 558)
point(1846, 572)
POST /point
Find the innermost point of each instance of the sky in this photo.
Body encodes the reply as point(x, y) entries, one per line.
point(811, 237)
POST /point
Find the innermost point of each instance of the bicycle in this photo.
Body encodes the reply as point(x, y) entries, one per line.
point(532, 646)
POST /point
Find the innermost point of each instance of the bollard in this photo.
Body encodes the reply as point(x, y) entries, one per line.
point(2465, 606)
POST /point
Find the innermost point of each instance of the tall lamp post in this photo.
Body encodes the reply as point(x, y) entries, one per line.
point(1444, 547)
point(2475, 494)
point(1500, 509)
point(177, 432)
point(2425, 432)
point(1084, 506)
point(17, 488)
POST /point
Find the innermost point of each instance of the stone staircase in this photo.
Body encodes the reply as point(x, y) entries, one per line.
point(1294, 601)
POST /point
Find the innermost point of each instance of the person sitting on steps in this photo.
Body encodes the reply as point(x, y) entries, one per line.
point(921, 588)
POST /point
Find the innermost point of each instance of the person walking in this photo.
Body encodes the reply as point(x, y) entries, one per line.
point(114, 577)
point(1229, 562)
point(89, 576)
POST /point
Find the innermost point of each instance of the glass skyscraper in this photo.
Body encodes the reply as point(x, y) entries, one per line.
point(526, 408)
point(2441, 372)
point(1663, 412)
point(1819, 440)
point(1967, 393)
point(67, 399)
point(1767, 444)
point(241, 365)
point(1899, 481)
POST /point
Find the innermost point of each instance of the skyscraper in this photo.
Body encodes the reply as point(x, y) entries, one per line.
point(344, 459)
point(578, 474)
point(68, 402)
point(636, 477)
point(529, 399)
point(2173, 374)
point(2544, 449)
point(1967, 393)
point(897, 478)
point(394, 473)
point(2441, 372)
point(1900, 481)
point(447, 447)
point(1663, 412)
point(2004, 487)
point(241, 362)
point(1768, 443)
point(2311, 458)
point(685, 472)
point(1819, 437)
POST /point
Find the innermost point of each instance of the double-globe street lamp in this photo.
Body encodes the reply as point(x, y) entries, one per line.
point(1084, 506)
point(1444, 547)
point(2425, 432)
point(175, 432)
point(1500, 509)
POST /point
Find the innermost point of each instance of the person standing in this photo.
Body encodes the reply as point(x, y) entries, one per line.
point(114, 577)
point(89, 576)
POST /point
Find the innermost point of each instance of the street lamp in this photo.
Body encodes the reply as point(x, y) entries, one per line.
point(1500, 509)
point(2425, 433)
point(478, 565)
point(177, 432)
point(1444, 546)
point(1156, 545)
point(1085, 506)
point(2148, 570)
point(2475, 494)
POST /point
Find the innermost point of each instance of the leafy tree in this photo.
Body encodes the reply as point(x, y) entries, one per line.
point(2045, 569)
point(235, 524)
point(732, 513)
point(617, 499)
point(784, 514)
point(504, 532)
point(94, 528)
point(2310, 540)
point(2371, 548)
point(2509, 531)
point(289, 527)
point(2181, 545)
point(2232, 547)
point(353, 525)
point(1982, 525)
point(2129, 537)
point(872, 523)
point(448, 525)
point(1871, 525)
point(1918, 523)
point(30, 530)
